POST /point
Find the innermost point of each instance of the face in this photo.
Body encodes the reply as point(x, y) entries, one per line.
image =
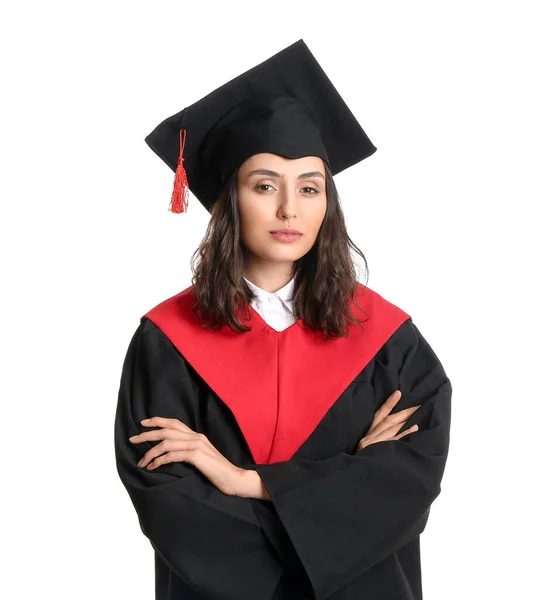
point(276, 193)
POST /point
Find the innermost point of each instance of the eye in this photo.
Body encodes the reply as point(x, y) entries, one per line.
point(263, 185)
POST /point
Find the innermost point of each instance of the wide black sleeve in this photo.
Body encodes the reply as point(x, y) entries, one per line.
point(213, 541)
point(346, 513)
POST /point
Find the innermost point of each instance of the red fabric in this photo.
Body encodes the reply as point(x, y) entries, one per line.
point(278, 385)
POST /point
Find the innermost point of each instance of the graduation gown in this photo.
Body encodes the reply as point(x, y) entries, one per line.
point(340, 524)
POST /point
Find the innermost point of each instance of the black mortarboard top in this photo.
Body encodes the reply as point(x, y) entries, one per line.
point(286, 105)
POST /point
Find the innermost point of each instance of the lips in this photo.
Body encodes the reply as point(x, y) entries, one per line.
point(288, 231)
point(281, 236)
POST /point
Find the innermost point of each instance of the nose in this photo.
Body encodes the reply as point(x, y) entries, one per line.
point(287, 204)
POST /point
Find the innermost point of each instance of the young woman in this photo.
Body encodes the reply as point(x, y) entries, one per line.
point(282, 430)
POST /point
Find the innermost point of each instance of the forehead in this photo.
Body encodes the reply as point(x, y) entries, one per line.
point(281, 164)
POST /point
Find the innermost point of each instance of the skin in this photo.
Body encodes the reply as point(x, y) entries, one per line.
point(267, 202)
point(179, 443)
point(385, 425)
point(270, 202)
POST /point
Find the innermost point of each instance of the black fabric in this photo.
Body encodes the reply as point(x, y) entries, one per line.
point(341, 525)
point(263, 123)
point(286, 105)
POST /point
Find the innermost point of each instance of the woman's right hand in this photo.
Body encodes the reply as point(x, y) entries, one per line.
point(385, 425)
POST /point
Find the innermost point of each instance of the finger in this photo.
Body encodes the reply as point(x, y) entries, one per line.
point(390, 420)
point(401, 415)
point(406, 432)
point(386, 425)
point(361, 445)
point(407, 412)
point(169, 457)
point(386, 433)
point(387, 406)
point(165, 422)
point(159, 449)
point(189, 452)
point(161, 434)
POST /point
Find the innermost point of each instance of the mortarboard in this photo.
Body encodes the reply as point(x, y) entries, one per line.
point(286, 105)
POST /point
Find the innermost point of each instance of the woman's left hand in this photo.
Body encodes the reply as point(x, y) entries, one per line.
point(182, 444)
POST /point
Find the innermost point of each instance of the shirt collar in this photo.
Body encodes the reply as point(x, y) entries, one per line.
point(285, 293)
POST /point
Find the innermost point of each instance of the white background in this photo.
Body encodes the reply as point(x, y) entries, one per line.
point(453, 213)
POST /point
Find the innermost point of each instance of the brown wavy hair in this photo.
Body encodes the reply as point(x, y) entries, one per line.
point(325, 277)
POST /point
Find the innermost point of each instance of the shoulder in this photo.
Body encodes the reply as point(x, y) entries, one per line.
point(376, 304)
point(151, 333)
point(413, 352)
point(404, 338)
point(177, 305)
point(148, 337)
point(407, 340)
point(383, 318)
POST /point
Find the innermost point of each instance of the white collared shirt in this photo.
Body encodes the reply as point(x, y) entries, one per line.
point(276, 308)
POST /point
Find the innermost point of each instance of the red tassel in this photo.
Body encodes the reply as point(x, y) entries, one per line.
point(180, 192)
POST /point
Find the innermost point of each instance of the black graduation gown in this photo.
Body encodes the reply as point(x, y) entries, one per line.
point(341, 524)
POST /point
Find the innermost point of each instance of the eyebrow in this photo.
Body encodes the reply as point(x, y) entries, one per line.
point(275, 174)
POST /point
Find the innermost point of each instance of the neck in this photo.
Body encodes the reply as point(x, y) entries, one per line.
point(269, 276)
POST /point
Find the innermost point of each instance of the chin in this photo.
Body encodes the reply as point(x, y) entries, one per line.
point(288, 254)
point(279, 252)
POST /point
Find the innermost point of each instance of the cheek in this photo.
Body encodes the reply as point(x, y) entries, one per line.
point(253, 219)
point(315, 216)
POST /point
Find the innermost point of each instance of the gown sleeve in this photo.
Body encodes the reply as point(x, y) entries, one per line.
point(346, 513)
point(211, 540)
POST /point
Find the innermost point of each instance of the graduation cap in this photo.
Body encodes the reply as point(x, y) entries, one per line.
point(286, 105)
